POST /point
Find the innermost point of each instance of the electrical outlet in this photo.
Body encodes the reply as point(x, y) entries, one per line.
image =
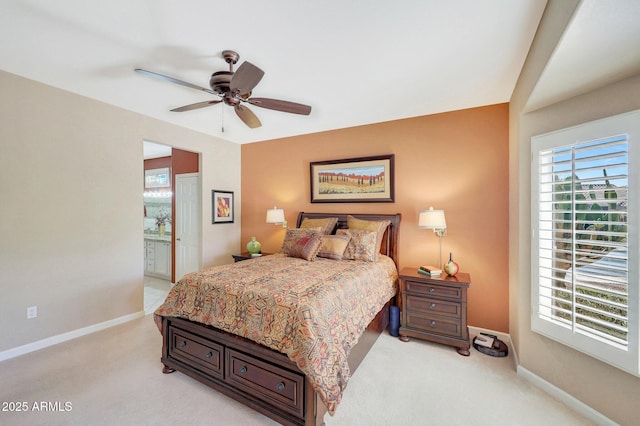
point(32, 312)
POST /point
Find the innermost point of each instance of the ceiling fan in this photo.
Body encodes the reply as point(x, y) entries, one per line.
point(234, 89)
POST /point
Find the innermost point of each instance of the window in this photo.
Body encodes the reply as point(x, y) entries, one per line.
point(585, 211)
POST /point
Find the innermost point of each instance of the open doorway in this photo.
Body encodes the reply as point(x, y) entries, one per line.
point(163, 165)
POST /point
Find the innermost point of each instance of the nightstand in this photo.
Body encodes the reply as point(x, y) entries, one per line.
point(435, 308)
point(245, 255)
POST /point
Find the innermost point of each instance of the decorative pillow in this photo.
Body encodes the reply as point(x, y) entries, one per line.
point(369, 225)
point(327, 224)
point(306, 248)
point(294, 234)
point(362, 245)
point(333, 246)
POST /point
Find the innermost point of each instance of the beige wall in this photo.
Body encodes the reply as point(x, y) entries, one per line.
point(455, 161)
point(71, 215)
point(606, 389)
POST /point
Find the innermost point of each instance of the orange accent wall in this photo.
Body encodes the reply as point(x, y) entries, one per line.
point(456, 161)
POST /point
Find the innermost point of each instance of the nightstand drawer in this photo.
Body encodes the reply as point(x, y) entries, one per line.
point(448, 292)
point(434, 324)
point(422, 305)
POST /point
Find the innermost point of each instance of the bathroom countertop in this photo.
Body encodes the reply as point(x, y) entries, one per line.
point(156, 237)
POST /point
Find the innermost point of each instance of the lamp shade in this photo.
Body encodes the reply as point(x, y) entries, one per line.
point(432, 219)
point(275, 215)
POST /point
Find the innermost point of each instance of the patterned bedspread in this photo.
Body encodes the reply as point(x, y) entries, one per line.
point(314, 312)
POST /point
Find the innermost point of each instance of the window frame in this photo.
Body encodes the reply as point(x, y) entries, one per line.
point(627, 359)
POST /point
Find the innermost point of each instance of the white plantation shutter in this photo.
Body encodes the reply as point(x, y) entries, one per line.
point(585, 238)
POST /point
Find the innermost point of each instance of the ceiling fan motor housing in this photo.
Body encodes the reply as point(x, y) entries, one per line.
point(220, 81)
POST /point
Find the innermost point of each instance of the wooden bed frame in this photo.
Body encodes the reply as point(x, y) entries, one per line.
point(259, 377)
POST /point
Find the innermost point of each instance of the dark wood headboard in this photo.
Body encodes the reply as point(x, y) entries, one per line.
point(389, 244)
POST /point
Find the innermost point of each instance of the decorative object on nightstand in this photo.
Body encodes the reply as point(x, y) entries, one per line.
point(434, 308)
point(254, 246)
point(276, 216)
point(434, 219)
point(451, 267)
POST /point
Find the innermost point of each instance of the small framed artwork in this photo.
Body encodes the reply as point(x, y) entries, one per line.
point(222, 206)
point(353, 180)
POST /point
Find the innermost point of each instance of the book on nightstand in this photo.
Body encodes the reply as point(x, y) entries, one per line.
point(430, 270)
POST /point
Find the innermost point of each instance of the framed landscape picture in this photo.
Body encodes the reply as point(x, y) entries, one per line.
point(222, 206)
point(353, 180)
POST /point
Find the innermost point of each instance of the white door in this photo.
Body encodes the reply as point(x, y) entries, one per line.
point(187, 224)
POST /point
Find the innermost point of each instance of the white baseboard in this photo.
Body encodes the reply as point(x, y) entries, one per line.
point(564, 397)
point(54, 340)
point(542, 384)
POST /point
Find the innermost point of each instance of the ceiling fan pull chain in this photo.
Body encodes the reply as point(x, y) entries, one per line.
point(222, 119)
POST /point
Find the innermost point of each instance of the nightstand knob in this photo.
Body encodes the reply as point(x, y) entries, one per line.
point(432, 305)
point(243, 370)
point(182, 344)
point(432, 324)
point(432, 290)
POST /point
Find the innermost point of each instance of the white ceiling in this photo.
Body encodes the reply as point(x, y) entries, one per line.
point(355, 63)
point(600, 46)
point(155, 150)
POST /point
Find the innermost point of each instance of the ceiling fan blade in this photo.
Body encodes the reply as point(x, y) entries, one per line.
point(278, 105)
point(247, 116)
point(246, 77)
point(174, 80)
point(196, 106)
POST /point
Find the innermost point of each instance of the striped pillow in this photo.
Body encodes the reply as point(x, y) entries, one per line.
point(305, 248)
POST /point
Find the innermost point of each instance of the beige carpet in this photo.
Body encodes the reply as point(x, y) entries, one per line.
point(114, 378)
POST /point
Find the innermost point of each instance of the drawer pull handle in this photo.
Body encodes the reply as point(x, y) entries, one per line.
point(208, 355)
point(432, 324)
point(280, 386)
point(432, 290)
point(432, 305)
point(243, 370)
point(182, 344)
